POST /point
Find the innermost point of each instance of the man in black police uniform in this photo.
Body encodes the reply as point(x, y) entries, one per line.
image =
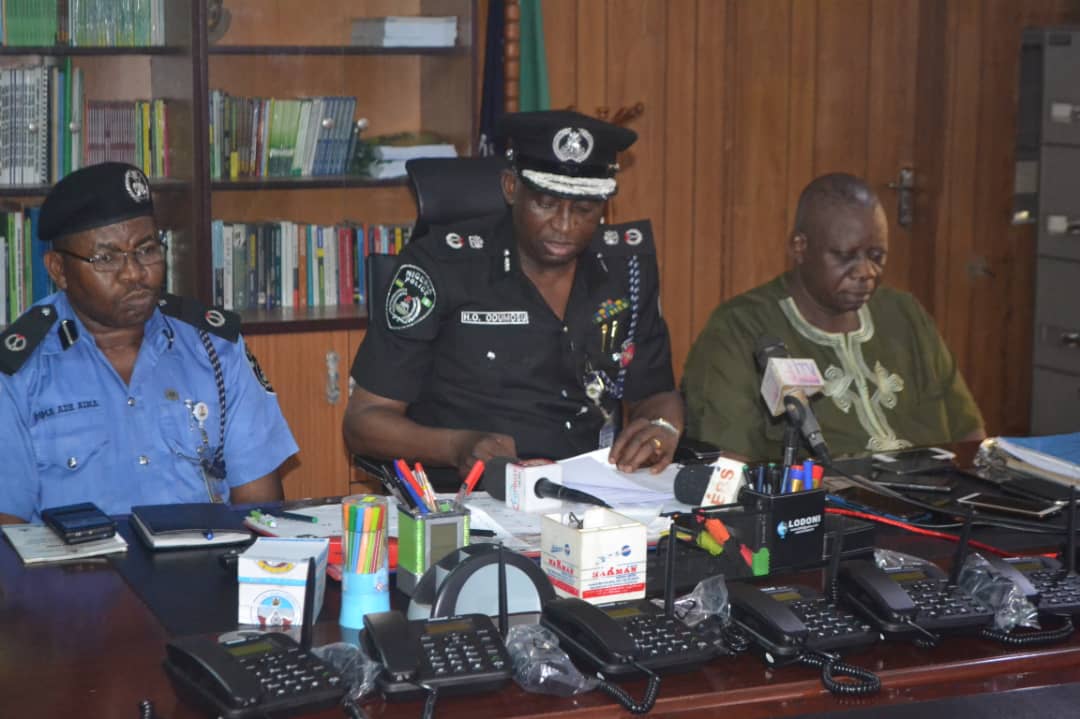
point(526, 334)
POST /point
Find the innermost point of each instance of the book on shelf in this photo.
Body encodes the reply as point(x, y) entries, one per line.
point(82, 23)
point(404, 31)
point(198, 524)
point(39, 544)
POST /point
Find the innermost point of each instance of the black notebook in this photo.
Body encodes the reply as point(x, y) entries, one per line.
point(169, 526)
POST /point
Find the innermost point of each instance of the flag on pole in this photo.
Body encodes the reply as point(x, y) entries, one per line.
point(533, 84)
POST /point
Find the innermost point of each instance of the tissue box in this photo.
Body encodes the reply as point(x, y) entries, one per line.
point(601, 561)
point(272, 574)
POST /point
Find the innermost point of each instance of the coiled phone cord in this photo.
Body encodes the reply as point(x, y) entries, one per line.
point(1027, 639)
point(866, 682)
point(622, 697)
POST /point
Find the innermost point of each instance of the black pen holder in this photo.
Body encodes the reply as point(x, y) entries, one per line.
point(790, 526)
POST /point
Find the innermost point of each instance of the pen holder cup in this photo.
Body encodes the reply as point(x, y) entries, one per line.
point(363, 593)
point(365, 581)
point(424, 539)
point(791, 526)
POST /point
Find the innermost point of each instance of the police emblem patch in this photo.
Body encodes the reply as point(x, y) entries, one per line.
point(259, 374)
point(572, 144)
point(454, 240)
point(634, 237)
point(611, 237)
point(476, 242)
point(411, 298)
point(136, 185)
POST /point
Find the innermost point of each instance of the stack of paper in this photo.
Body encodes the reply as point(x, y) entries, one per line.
point(38, 544)
point(396, 31)
point(1055, 456)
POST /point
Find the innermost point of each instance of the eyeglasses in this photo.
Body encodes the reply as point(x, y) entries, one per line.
point(152, 253)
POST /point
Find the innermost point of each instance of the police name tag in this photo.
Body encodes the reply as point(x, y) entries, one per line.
point(481, 317)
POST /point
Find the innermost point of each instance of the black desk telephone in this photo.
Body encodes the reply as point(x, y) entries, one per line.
point(909, 600)
point(257, 675)
point(610, 638)
point(1043, 580)
point(455, 655)
point(786, 621)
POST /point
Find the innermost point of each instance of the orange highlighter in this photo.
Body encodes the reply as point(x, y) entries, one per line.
point(470, 481)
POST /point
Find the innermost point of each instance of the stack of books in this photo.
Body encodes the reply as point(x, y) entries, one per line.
point(397, 31)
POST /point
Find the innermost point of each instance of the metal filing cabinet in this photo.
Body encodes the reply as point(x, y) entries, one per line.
point(1055, 395)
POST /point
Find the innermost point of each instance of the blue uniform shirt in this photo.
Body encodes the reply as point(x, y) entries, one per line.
point(72, 431)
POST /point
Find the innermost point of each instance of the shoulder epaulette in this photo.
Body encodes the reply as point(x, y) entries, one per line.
point(624, 238)
point(223, 323)
point(20, 339)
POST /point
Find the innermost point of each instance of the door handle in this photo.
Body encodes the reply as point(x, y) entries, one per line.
point(333, 392)
point(905, 197)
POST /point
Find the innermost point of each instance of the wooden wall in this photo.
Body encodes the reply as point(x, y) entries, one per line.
point(747, 100)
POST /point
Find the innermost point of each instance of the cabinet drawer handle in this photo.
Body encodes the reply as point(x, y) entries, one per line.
point(333, 392)
point(1070, 339)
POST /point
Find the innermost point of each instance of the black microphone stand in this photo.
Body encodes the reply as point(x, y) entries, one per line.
point(791, 444)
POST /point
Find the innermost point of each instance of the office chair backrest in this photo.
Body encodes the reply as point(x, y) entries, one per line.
point(451, 189)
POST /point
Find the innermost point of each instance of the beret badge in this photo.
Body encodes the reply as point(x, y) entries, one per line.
point(572, 144)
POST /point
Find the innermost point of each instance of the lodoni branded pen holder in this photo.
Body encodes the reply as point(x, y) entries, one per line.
point(791, 526)
point(424, 539)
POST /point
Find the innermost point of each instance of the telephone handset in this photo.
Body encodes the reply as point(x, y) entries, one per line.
point(910, 599)
point(455, 655)
point(786, 621)
point(254, 675)
point(611, 638)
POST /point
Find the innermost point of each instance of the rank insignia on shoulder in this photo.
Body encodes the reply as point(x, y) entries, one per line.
point(20, 339)
point(259, 374)
point(631, 237)
point(216, 321)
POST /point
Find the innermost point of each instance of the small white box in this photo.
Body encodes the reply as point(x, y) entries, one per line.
point(272, 576)
point(602, 561)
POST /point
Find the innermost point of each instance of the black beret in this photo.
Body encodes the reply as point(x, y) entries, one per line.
point(565, 153)
point(94, 196)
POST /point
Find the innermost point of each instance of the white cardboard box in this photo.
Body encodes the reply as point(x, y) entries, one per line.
point(603, 561)
point(272, 574)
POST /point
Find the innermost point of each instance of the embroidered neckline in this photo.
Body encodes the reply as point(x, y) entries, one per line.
point(854, 384)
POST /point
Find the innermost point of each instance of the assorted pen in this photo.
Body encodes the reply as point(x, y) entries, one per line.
point(413, 488)
point(771, 478)
point(364, 525)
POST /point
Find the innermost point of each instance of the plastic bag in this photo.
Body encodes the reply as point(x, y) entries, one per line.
point(708, 599)
point(541, 666)
point(1011, 608)
point(357, 669)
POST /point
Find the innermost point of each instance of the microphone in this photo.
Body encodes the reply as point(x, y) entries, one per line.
point(535, 488)
point(708, 485)
point(785, 385)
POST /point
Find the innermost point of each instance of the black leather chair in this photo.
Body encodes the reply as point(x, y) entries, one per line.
point(446, 190)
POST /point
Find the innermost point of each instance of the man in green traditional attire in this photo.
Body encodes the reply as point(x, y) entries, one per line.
point(890, 381)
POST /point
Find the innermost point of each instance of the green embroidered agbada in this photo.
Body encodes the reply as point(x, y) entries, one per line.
point(892, 383)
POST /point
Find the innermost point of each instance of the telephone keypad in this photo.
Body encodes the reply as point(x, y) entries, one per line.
point(290, 672)
point(1057, 592)
point(661, 636)
point(826, 623)
point(939, 605)
point(456, 653)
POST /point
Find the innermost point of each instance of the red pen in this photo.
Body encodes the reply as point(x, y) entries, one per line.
point(411, 479)
point(470, 482)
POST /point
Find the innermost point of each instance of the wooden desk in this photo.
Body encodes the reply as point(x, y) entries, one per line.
point(76, 641)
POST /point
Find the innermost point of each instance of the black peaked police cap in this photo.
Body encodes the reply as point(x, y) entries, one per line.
point(565, 153)
point(94, 196)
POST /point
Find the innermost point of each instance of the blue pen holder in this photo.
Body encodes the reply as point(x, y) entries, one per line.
point(362, 594)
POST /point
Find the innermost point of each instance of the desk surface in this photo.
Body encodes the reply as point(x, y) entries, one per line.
point(76, 640)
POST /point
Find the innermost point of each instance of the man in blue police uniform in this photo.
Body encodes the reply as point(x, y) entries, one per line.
point(526, 334)
point(114, 393)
